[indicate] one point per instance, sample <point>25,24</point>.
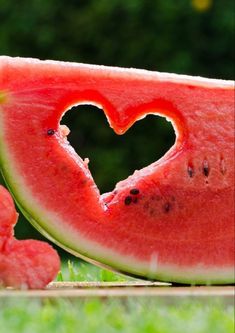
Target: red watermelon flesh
<point>8,216</point>
<point>174,219</point>
<point>26,263</point>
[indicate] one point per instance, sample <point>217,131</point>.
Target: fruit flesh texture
<point>181,226</point>
<point>8,216</point>
<point>26,263</point>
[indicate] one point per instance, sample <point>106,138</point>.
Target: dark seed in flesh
<point>128,200</point>
<point>206,169</point>
<point>190,171</point>
<point>134,191</point>
<point>50,132</point>
<point>167,207</point>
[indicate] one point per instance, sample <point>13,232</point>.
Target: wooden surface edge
<point>119,289</point>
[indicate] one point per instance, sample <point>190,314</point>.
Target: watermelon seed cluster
<point>132,197</point>
<point>166,204</point>
<point>205,168</point>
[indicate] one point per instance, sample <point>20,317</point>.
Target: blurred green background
<point>185,36</point>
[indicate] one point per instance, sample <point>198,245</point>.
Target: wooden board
<point>118,289</point>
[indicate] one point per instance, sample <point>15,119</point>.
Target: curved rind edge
<point>176,275</point>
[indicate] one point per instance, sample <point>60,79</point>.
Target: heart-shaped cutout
<point>113,157</point>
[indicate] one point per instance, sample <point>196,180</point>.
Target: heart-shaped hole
<point>113,157</point>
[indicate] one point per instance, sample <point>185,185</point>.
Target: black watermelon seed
<point>50,131</point>
<point>190,171</point>
<point>206,169</point>
<point>134,191</point>
<point>167,207</point>
<point>128,200</point>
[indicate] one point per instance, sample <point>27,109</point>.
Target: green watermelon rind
<point>97,254</point>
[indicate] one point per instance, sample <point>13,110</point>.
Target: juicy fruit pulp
<point>23,264</point>
<point>172,220</point>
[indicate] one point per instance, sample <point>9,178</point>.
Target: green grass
<point>113,315</point>
<point>79,271</point>
<point>110,315</point>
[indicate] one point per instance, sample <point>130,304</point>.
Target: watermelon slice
<point>23,264</point>
<point>172,220</point>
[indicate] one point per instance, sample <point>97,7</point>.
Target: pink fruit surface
<point>28,264</point>
<point>8,215</point>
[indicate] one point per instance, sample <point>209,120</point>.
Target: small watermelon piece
<point>174,219</point>
<point>23,263</point>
